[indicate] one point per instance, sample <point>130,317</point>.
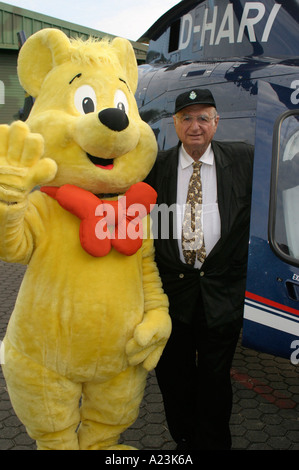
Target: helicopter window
<point>284,213</point>
<point>174,36</point>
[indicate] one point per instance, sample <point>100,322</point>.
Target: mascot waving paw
<point>91,317</point>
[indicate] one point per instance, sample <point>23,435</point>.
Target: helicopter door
<point>271,311</point>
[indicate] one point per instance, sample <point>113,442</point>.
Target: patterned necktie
<point>192,232</point>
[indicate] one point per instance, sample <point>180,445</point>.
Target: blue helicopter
<point>246,53</point>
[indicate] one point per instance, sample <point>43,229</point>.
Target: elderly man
<point>202,264</point>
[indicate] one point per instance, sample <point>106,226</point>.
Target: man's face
<point>195,126</point>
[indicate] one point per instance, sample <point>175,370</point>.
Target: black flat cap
<point>196,96</point>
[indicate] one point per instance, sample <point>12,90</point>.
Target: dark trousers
<point>194,377</point>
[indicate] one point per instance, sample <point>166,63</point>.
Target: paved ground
<point>266,397</point>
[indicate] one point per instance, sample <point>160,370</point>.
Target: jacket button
<point>201,273</point>
<point>181,276</point>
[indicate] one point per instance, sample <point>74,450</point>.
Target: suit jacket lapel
<point>171,197</point>
<point>224,189</point>
<point>171,175</point>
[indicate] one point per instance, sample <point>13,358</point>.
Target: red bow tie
<point>97,216</point>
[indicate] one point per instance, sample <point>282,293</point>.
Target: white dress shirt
<point>210,214</point>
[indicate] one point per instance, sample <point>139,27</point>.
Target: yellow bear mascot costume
<point>91,317</point>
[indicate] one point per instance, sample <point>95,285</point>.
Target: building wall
<point>11,93</point>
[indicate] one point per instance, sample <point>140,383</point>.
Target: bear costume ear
<point>40,53</point>
<point>127,60</point>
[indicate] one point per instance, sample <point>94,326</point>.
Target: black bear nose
<point>114,118</point>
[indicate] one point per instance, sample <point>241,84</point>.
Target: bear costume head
<point>86,110</point>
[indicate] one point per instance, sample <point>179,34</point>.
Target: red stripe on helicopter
<point>271,303</point>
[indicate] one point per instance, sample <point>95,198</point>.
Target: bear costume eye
<point>121,102</point>
<point>85,99</point>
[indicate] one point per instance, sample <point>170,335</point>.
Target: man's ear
<point>127,59</point>
<point>41,53</point>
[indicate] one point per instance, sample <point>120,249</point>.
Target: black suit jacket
<point>220,283</point>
